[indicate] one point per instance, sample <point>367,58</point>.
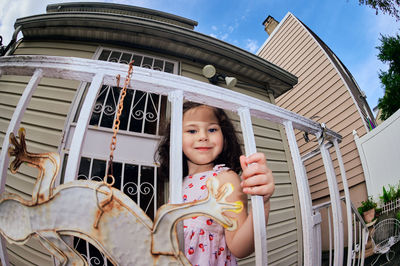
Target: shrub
<point>391,194</point>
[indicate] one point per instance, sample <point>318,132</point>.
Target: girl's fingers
<point>266,191</point>
<point>258,158</point>
<point>257,177</point>
<point>257,180</point>
<point>243,163</point>
<point>255,169</point>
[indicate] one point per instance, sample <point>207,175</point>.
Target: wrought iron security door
<point>140,122</point>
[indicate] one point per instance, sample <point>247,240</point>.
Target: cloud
<point>15,9</point>
<point>224,36</point>
<point>251,45</point>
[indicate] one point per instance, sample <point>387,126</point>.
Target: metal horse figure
<point>99,214</point>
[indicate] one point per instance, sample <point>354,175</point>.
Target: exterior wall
<point>321,94</point>
<point>45,121</point>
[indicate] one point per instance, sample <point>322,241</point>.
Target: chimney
<point>270,24</point>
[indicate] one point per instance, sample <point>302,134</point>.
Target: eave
<point>162,37</point>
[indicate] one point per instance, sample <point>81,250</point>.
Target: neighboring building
<point>326,92</point>
<point>164,42</point>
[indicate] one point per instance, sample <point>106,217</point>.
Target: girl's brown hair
<point>229,156</point>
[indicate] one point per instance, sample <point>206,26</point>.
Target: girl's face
<point>202,138</point>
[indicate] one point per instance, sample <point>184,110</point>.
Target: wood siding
<point>45,120</point>
<point>322,94</point>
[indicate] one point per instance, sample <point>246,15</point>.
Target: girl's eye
<point>191,131</point>
<point>213,130</point>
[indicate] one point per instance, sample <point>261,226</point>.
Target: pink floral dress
<point>204,238</point>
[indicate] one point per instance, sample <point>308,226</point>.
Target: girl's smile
<point>202,138</point>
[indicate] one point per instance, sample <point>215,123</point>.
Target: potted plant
<point>367,209</point>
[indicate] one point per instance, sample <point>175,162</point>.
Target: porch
<point>179,88</point>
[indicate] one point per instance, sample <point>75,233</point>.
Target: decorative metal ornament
<point>101,215</point>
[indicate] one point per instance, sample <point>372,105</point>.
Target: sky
<point>352,31</point>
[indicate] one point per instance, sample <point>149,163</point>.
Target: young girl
<point>210,148</point>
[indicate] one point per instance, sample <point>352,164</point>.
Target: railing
<point>357,236</point>
<point>178,88</point>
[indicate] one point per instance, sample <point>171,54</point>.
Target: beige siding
<point>283,235</point>
<point>44,121</point>
<point>320,93</point>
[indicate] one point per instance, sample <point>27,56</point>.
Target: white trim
<point>304,195</point>
<point>273,33</point>
<point>257,202</point>
<point>158,82</point>
<point>336,205</point>
<point>175,151</point>
<point>71,169</point>
<point>348,200</point>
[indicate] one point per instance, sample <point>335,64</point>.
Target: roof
<point>154,30</point>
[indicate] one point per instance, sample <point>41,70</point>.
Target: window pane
<point>84,168</point>
<point>130,181</point>
<point>158,65</point>
<point>138,60</point>
<point>117,173</point>
<point>110,108</point>
<point>137,112</point>
<point>125,58</point>
<point>169,67</point>
<point>152,113</point>
<point>104,55</point>
<point>98,107</point>
<point>114,57</point>
<point>147,190</point>
<point>124,118</point>
<point>98,170</point>
<point>147,62</point>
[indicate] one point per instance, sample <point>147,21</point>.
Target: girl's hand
<point>257,178</point>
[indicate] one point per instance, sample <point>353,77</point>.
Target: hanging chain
<point>109,170</point>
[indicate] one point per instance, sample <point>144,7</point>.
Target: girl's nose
<point>203,135</point>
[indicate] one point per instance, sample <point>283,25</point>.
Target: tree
<point>391,7</point>
<point>389,52</point>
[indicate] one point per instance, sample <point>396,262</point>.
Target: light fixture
<point>211,74</point>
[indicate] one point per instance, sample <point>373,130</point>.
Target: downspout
<point>12,45</point>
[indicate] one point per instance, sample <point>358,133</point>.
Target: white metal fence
<point>391,206</point>
<point>178,88</point>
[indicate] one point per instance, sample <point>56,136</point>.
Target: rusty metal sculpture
<point>99,214</point>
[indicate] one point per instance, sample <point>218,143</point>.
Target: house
<point>326,92</point>
<point>154,40</point>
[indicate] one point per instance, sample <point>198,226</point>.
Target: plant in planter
<point>367,209</point>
